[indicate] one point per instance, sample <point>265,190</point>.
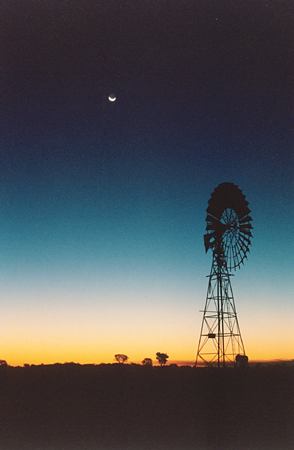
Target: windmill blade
<point>210,216</point>
<point>245,226</point>
<point>246,240</point>
<point>245,233</point>
<point>247,213</point>
<point>245,219</point>
<point>243,247</point>
<point>243,250</point>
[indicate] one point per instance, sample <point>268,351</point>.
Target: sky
<point>103,205</point>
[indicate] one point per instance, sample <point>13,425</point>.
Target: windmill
<point>228,236</point>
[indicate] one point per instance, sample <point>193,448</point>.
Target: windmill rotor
<point>228,229</point>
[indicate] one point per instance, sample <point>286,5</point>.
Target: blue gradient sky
<point>102,206</point>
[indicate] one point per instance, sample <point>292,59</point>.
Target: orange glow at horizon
<point>52,331</point>
<point>52,349</point>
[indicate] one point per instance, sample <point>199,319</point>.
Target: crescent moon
<point>112,98</point>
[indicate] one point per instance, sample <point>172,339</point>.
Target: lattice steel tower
<point>228,235</point>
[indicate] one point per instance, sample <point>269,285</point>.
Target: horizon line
<point>179,363</point>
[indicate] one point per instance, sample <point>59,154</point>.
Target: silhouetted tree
<point>147,362</point>
<point>161,358</point>
<point>121,358</point>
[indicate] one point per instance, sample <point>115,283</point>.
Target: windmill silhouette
<point>228,236</point>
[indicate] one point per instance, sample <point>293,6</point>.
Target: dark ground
<point>111,407</point>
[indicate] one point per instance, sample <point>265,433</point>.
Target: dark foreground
<point>126,408</point>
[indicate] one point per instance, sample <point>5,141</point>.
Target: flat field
<point>107,407</point>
